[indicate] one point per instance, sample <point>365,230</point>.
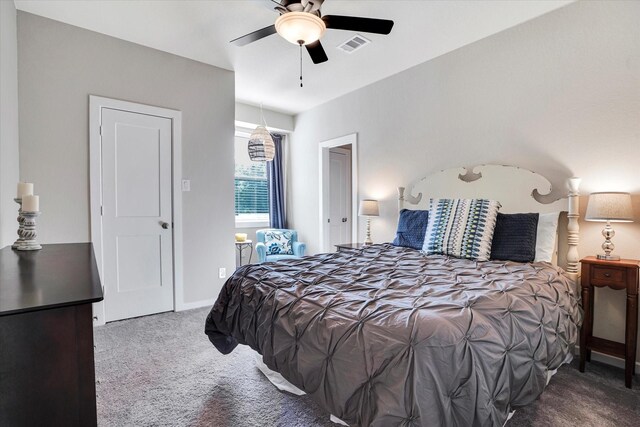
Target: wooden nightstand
<point>621,275</point>
<point>345,247</point>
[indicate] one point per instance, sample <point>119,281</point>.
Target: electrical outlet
<point>186,185</point>
<point>222,272</point>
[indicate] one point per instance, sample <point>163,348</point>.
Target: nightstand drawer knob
<point>607,274</point>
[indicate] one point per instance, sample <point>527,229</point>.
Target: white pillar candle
<point>25,189</point>
<point>30,203</point>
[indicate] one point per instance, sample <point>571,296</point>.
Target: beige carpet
<point>162,371</point>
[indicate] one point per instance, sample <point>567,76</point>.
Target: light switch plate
<point>186,185</point>
<point>222,272</point>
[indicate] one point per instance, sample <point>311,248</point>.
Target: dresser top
<point>349,245</point>
<point>55,276</point>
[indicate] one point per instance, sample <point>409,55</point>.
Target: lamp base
<point>608,257</point>
<point>367,240</point>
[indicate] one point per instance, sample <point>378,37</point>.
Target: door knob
<point>164,225</point>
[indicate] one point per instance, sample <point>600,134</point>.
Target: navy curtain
<point>275,177</point>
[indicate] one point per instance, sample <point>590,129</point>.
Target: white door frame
<point>96,104</point>
<point>323,155</point>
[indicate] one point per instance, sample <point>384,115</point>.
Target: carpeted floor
<point>162,370</point>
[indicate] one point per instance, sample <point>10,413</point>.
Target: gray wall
<point>249,116</point>
<point>559,95</point>
<point>59,67</point>
<point>9,164</point>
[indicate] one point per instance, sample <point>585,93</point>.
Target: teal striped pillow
<point>461,228</point>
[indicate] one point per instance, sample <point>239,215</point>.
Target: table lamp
<point>609,207</point>
<point>368,208</point>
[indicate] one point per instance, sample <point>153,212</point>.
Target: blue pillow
<point>412,227</point>
<point>514,238</point>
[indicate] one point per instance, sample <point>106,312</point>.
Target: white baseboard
<point>605,358</point>
<point>196,304</point>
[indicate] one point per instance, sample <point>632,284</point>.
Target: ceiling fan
<point>301,23</point>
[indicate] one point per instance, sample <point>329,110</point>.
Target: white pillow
<point>546,236</point>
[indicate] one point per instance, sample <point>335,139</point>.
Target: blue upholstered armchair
<point>275,244</point>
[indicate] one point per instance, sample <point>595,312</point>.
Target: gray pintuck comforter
<point>387,336</point>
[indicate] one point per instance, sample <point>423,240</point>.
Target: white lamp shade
<point>300,26</point>
<point>261,147</point>
<point>615,207</point>
<point>369,208</point>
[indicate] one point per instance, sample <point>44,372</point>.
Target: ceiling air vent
<point>354,43</point>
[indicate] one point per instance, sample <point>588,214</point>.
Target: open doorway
<point>338,192</point>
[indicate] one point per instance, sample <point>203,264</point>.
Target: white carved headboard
<point>517,189</point>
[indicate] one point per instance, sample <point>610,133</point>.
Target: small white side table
<point>241,246</point>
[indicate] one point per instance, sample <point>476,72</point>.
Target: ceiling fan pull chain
<point>300,43</point>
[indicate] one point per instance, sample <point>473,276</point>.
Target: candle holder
<point>28,232</point>
<point>17,243</point>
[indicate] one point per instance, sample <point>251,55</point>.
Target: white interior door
<point>136,214</point>
<point>339,196</point>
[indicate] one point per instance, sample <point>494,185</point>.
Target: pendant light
<point>261,147</point>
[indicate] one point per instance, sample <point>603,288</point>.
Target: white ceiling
<point>267,71</point>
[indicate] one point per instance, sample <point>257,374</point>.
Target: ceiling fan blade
<point>354,23</point>
<point>256,35</point>
<point>316,52</point>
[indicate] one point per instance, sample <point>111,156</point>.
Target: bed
<point>388,336</point>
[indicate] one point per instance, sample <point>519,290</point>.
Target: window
<point>251,188</point>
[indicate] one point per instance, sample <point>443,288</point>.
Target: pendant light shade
<point>300,27</point>
<point>261,147</point>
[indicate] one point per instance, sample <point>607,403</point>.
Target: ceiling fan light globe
<point>300,26</point>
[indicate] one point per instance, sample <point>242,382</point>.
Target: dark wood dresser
<point>349,247</point>
<point>47,374</point>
